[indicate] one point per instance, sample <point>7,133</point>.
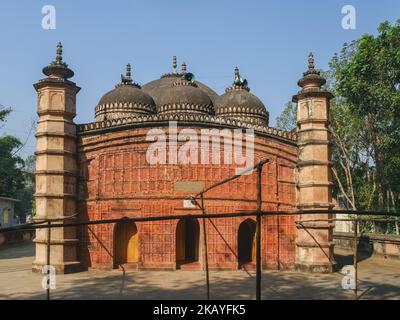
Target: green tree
<point>26,204</point>
<point>4,112</point>
<point>11,175</point>
<point>368,79</point>
<point>287,119</point>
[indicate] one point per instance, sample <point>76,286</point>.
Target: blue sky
<point>268,40</point>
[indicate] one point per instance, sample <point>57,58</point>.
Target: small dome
<point>184,95</point>
<point>126,100</point>
<point>238,103</point>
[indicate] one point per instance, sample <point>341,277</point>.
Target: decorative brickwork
<point>116,181</point>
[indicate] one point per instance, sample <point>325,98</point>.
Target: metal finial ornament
<point>59,53</point>
<point>127,79</point>
<point>239,81</point>
<point>312,77</point>
<point>183,68</point>
<point>58,68</point>
<point>311,65</point>
<point>236,72</point>
<point>174,65</point>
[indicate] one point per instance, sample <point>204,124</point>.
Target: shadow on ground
<point>379,279</point>
<point>17,250</point>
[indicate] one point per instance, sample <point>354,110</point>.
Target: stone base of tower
<point>62,256</point>
<point>62,268</point>
<point>315,258</point>
<point>324,267</point>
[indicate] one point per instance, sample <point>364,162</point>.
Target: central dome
<point>158,88</point>
<point>177,93</point>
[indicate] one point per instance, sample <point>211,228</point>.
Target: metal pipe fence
<point>258,214</point>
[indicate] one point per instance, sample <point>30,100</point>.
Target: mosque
<point>101,170</point>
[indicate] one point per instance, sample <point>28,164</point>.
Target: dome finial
<point>236,72</point>
<point>239,82</point>
<point>127,79</point>
<point>184,68</point>
<point>174,65</point>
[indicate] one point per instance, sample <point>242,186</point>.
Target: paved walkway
<point>379,279</point>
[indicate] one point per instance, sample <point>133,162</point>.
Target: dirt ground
<point>379,278</point>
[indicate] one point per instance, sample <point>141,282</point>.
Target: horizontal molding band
<point>67,242</point>
<point>56,172</point>
<point>307,142</point>
<point>63,113</point>
<point>55,152</point>
<point>40,134</point>
<point>315,120</point>
<point>323,129</point>
<point>313,244</point>
<point>55,195</point>
<point>305,163</point>
<point>315,184</point>
<point>315,225</point>
<point>315,205</point>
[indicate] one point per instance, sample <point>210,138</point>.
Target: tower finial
<point>174,65</point>
<point>311,65</point>
<point>58,68</point>
<point>59,53</point>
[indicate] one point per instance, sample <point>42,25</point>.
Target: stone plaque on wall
<point>188,186</point>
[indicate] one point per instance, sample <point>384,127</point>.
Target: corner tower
<point>56,165</point>
<point>314,181</point>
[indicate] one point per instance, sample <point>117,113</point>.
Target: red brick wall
<point>116,181</point>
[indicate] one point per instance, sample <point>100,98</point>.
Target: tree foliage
<point>11,175</point>
<point>365,120</point>
<point>367,79</point>
<point>287,119</point>
<point>17,179</point>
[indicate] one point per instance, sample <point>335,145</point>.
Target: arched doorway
<point>187,241</point>
<point>246,242</point>
<point>125,243</point>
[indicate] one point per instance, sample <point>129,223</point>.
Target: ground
<point>379,279</point>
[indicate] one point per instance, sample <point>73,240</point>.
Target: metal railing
<point>258,213</point>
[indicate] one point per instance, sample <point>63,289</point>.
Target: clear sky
<point>268,40</point>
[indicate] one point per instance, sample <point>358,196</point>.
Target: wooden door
<point>126,243</point>
<point>180,241</point>
<point>132,247</point>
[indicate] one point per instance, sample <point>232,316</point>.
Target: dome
<point>238,103</point>
<point>183,95</point>
<point>126,100</point>
<point>157,88</point>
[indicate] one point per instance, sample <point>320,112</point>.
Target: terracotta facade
<point>101,171</point>
<point>116,181</point>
